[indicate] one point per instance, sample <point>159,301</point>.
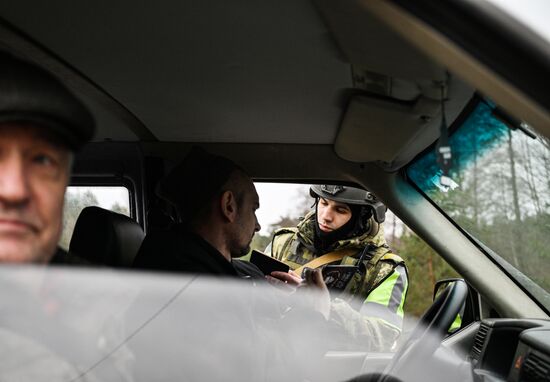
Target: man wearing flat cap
<point>41,126</point>
<point>217,204</point>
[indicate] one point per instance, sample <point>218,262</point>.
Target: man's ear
<point>229,206</point>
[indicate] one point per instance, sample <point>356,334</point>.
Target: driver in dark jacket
<point>217,204</point>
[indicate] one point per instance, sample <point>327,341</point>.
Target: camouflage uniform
<point>372,309</point>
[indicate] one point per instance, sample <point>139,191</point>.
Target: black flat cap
<point>195,181</point>
<point>30,94</point>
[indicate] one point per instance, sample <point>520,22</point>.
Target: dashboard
<point>511,350</point>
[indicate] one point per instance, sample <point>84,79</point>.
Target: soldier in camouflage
<point>345,228</point>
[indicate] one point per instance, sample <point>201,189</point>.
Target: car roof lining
<point>366,40</point>
<point>277,80</point>
<point>113,120</point>
<point>245,99</point>
<point>283,74</point>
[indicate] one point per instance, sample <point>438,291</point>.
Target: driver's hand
<point>286,282</point>
<point>289,277</point>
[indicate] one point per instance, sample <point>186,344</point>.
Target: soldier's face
<point>247,222</point>
<point>332,215</point>
<point>34,173</point>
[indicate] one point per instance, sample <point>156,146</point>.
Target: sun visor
<point>378,130</point>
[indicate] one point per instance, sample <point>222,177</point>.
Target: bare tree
<point>530,177</point>
<point>513,179</point>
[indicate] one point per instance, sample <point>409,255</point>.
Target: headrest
<point>104,237</point>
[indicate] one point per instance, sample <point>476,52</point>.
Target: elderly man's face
<point>34,173</point>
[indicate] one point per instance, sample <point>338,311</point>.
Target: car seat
<point>104,237</point>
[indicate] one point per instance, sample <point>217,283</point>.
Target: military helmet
<point>350,195</point>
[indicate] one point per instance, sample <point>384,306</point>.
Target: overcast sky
<point>533,13</point>
<point>276,200</point>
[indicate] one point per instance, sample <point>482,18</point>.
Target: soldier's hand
<point>320,297</point>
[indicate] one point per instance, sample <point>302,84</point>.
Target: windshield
<point>498,191</point>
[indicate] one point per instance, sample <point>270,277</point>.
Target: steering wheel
<point>430,330</point>
<point>426,337</point>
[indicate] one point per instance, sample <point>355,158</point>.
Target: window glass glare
<point>114,198</point>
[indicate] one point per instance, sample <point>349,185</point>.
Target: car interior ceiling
<point>405,78</point>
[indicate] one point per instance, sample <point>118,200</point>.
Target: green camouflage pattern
<point>294,246</point>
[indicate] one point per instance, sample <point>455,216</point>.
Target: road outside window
<point>114,198</point>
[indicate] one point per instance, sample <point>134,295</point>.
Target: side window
<point>114,198</point>
<point>285,204</point>
<point>281,205</point>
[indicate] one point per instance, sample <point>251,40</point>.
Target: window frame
<point>110,181</point>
